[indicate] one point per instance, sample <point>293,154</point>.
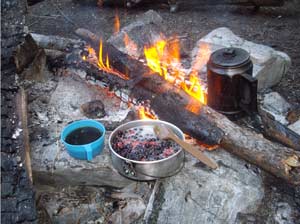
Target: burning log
<point>246,144</point>
<point>125,64</point>
<point>210,127</point>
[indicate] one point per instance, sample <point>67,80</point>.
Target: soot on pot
<point>142,145</point>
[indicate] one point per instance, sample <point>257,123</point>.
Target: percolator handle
<point>248,93</point>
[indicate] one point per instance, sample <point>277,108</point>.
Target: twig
<point>46,17</point>
<point>58,148</point>
<point>24,119</point>
<point>149,207</point>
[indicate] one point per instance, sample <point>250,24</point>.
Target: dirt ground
<point>275,27</point>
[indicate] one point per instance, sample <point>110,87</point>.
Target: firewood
<point>25,53</point>
<point>258,3</point>
<point>279,132</point>
<point>134,69</point>
<point>244,143</point>
<point>22,111</point>
<point>53,42</point>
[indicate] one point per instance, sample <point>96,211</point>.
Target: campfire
<point>209,126</point>
<point>163,58</point>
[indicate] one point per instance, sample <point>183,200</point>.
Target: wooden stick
<point>24,119</point>
<point>149,207</point>
<point>53,42</point>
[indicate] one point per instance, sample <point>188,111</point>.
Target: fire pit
<point>114,82</point>
<point>137,154</point>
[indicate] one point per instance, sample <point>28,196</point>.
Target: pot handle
<point>248,93</point>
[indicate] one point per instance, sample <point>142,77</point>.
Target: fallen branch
<point>24,120</point>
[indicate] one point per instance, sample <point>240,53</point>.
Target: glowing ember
<point>193,107</point>
<point>116,23</point>
<point>146,114</point>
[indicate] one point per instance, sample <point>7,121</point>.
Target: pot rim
<point>150,122</point>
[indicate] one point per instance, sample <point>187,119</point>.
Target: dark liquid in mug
<point>82,136</point>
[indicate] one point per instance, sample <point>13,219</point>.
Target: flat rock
<point>51,163</point>
<point>295,127</point>
<point>198,195</point>
<point>269,65</point>
<point>145,31</point>
<point>277,106</point>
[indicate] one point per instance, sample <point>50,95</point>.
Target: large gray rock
<point>145,31</point>
<point>269,65</point>
<point>51,163</point>
<point>277,106</point>
<point>198,195</point>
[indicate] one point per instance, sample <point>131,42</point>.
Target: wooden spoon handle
<point>195,152</point>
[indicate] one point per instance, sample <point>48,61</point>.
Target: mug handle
<point>89,152</point>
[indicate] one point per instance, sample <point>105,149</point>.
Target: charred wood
<point>25,53</point>
<point>192,3</point>
<point>132,68</point>
<point>32,2</point>
<point>235,2</point>
<point>279,132</point>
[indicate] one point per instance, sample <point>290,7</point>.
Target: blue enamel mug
<point>85,151</point>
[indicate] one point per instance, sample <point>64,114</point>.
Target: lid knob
<point>229,52</point>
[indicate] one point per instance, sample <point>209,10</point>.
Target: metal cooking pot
<point>231,86</point>
<point>147,170</point>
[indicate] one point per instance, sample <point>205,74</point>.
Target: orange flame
<point>105,65</point>
<point>164,59</point>
<point>131,47</point>
<point>102,61</point>
<point>116,23</point>
<point>145,114</point>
